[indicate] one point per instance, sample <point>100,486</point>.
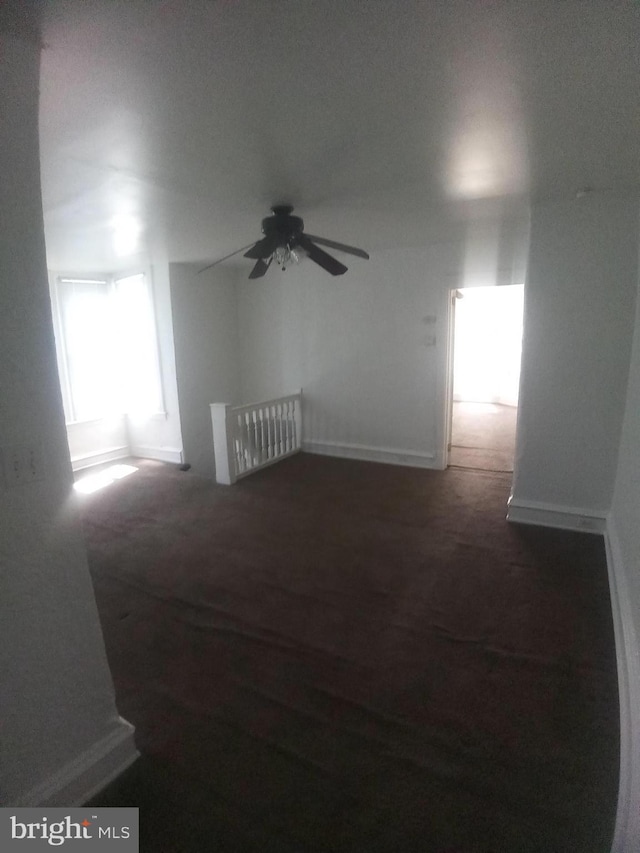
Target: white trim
<point>163,454</point>
<point>83,280</point>
<point>87,460</point>
<point>369,453</point>
<point>61,350</point>
<point>627,831</point>
<point>263,404</point>
<point>88,773</point>
<point>445,382</point>
<point>555,515</point>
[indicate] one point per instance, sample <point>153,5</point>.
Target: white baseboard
<point>162,454</point>
<point>627,832</point>
<point>367,453</point>
<point>108,455</point>
<point>86,775</point>
<point>555,515</point>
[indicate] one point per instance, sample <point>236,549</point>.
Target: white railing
<point>247,438</point>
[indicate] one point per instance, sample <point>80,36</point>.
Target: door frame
<point>446,380</point>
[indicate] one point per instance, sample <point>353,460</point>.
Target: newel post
<point>223,440</point>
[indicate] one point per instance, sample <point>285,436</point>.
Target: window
<point>141,386</point>
<point>107,347</point>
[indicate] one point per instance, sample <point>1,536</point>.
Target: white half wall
<point>578,324</point>
<point>61,732</point>
<point>205,334</point>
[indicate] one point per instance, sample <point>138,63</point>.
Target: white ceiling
<point>182,122</point>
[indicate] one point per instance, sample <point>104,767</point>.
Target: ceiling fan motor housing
<point>282,224</point>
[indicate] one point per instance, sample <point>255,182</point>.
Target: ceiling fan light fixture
<point>284,241</point>
<point>284,256</point>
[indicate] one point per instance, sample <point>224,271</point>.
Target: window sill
<point>154,416</point>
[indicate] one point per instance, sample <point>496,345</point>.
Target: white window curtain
<point>109,350</point>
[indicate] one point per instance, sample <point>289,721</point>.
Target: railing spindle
<point>248,437</point>
<point>272,450</point>
<point>246,434</point>
<point>294,425</point>
<point>263,436</point>
<point>290,424</point>
<point>285,443</point>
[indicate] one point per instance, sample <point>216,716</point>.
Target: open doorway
<point>487,336</point>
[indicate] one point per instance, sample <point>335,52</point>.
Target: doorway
<point>487,344</point>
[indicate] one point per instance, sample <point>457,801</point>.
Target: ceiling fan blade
<point>260,268</point>
<point>220,260</point>
<point>331,265</point>
<point>263,248</point>
<point>351,250</point>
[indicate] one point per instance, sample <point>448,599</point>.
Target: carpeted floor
<point>483,435</point>
<point>343,656</point>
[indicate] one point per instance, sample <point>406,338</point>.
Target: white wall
<point>579,299</point>
<point>205,334</point>
<point>57,695</point>
<point>362,346</point>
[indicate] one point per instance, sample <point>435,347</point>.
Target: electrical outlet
<point>22,464</point>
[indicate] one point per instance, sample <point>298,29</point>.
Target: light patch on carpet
<point>95,482</point>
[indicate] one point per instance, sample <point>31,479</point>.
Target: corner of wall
<point>627,831</point>
<point>88,773</point>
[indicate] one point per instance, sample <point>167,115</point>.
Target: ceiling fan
<point>285,241</point>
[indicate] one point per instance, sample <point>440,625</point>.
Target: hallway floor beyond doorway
<point>483,436</point>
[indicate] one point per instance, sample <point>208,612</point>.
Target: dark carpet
<point>343,656</point>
